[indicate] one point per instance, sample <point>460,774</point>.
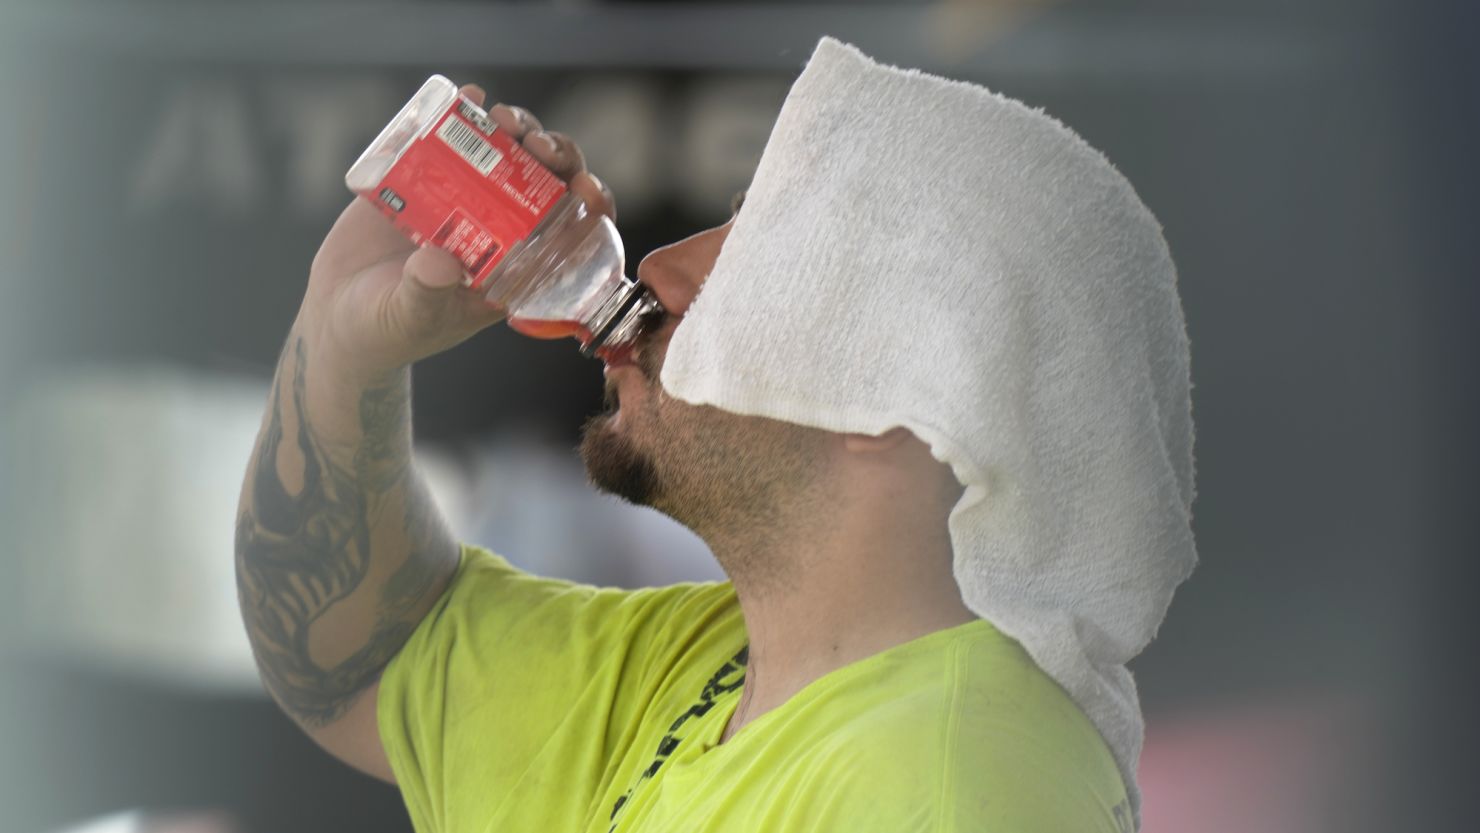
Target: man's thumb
<point>427,291</point>
<point>433,269</point>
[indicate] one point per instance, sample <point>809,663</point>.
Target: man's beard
<point>614,463</point>
<point>725,476</point>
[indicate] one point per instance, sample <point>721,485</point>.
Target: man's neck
<point>819,599</point>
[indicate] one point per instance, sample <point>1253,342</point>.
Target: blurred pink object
<point>1286,767</point>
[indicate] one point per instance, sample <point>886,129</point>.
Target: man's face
<point>701,465</point>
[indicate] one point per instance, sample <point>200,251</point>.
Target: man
<point>840,679</point>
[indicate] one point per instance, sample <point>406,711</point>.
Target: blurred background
<point>170,168</point>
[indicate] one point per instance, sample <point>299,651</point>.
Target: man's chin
<point>614,464</point>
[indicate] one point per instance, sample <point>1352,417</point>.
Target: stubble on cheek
<point>610,401</point>
<point>650,362</point>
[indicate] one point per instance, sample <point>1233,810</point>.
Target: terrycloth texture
<point>921,252</point>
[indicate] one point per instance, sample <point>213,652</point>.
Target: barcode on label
<point>469,145</point>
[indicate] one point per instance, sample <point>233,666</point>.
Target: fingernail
<point>599,184</point>
<point>548,141</point>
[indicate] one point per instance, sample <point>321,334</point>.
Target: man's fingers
<point>516,121</point>
<point>553,149</point>
<point>594,193</point>
<point>557,152</point>
<point>473,92</point>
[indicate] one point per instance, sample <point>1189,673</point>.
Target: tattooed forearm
<point>384,454</point>
<point>303,552</point>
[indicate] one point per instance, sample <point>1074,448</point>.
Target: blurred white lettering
<point>283,145</point>
<point>327,125</point>
<point>725,129</point>
<point>203,148</point>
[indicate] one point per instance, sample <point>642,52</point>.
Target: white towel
<point>921,252</point>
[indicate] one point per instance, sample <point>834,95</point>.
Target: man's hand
<point>376,303</point>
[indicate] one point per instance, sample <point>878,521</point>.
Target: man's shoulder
<point>904,707</point>
<point>968,669</point>
<point>976,728</point>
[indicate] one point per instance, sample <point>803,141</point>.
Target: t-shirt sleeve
<point>516,684</point>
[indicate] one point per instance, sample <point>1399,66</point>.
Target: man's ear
<point>871,444</point>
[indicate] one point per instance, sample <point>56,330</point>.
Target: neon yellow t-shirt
<point>524,703</point>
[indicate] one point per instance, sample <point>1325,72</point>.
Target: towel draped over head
<point>921,252</point>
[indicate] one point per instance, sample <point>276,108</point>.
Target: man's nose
<point>676,272</point>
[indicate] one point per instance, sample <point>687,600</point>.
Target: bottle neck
<point>619,320</point>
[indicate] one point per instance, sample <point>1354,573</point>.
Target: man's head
<point>722,473</point>
<point>994,285</point>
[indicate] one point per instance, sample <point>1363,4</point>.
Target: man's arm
<point>340,550</point>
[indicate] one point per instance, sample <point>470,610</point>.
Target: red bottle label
<point>467,187</point>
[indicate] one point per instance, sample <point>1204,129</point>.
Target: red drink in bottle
<point>613,353</point>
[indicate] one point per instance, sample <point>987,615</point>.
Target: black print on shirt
<point>729,677</point>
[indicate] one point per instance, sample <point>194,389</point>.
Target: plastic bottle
<point>442,171</point>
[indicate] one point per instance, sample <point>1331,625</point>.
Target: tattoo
<point>298,554</point>
<point>380,459</point>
